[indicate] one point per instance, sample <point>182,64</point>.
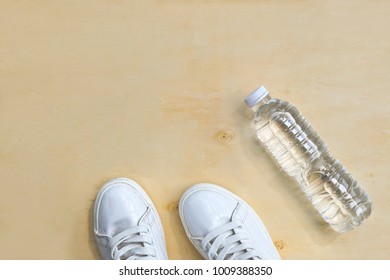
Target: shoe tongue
<point>142,220</point>
<point>128,254</point>
<point>205,223</point>
<point>234,216</point>
<point>228,256</point>
<point>121,225</point>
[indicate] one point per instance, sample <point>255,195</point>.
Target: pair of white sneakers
<point>219,224</point>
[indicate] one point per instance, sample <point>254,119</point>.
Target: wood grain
<point>153,91</point>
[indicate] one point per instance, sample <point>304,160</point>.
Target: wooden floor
<point>154,90</point>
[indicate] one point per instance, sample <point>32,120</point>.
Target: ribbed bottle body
<point>303,155</point>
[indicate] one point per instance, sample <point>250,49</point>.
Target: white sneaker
<point>127,225</point>
<point>222,226</point>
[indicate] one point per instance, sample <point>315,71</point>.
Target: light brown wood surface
<point>154,90</point>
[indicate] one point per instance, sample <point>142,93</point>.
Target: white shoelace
<point>229,242</point>
<point>133,244</point>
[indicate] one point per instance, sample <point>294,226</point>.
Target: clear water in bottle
<point>301,153</point>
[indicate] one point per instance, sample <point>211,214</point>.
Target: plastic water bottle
<point>301,153</point>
